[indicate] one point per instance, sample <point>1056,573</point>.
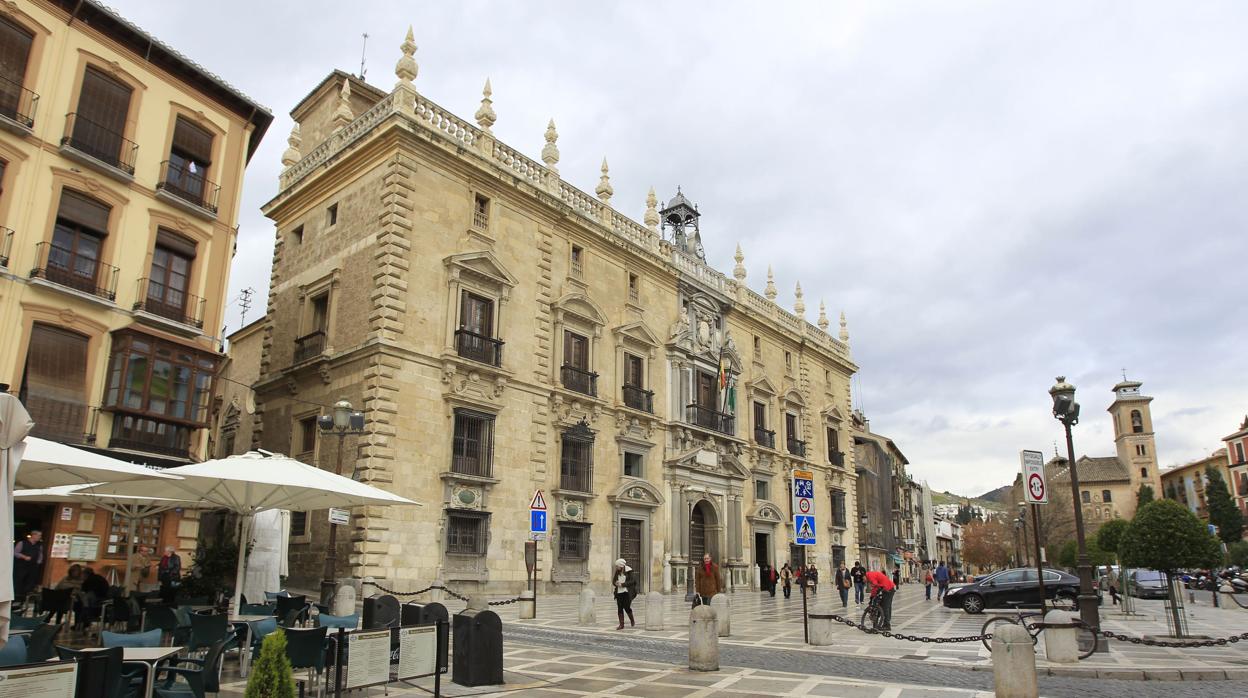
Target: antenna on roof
<point>1055,453</point>
<point>362,48</point>
<point>1124,375</point>
<point>244,301</point>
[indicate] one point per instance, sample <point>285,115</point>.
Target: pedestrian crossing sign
<point>805,526</point>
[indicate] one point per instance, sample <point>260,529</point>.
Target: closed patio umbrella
<point>15,424</point>
<point>258,481</point>
<point>51,464</point>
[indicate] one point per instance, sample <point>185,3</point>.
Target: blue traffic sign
<point>803,488</point>
<point>537,521</point>
<point>805,526</point>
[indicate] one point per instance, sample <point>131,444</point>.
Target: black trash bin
<point>427,614</point>
<point>381,611</point>
<point>478,656</point>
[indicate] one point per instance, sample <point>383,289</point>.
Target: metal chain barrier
<point>1217,642</point>
<point>912,638</point>
<point>439,587</point>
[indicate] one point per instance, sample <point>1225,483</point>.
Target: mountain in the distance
<point>1000,495</point>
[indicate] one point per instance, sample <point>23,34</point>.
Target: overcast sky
<point>993,193</point>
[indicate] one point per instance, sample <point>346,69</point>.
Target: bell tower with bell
<point>681,217</point>
<point>1134,438</point>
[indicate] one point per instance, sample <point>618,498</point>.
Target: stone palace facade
<point>504,332</point>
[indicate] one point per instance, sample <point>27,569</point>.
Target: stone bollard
<point>654,611</point>
<point>437,595</point>
<point>822,629</point>
<point>703,640</point>
<point>528,605</point>
<point>1014,662</point>
<point>344,599</point>
<point>478,603</point>
<point>1060,644</point>
<point>586,615</point>
<point>722,605</point>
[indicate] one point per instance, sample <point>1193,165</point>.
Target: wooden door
<point>630,548</point>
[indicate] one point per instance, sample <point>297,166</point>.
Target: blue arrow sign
<point>805,527</point>
<point>537,521</point>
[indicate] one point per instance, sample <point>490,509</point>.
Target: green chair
<point>258,609</point>
<point>40,644</point>
<point>150,638</point>
<point>305,648</point>
<point>14,651</point>
<point>166,619</point>
<point>101,673</point>
<point>196,682</point>
<point>350,622</point>
<point>259,629</point>
<point>207,630</point>
<point>26,623</point>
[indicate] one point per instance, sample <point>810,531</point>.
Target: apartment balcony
<point>764,437</point>
<point>708,418</point>
<point>64,421</point>
<point>67,268</point>
<point>476,347</point>
<point>6,245</point>
<point>481,219</point>
<point>17,107</point>
<point>97,146</point>
<point>170,304</point>
<point>796,447</point>
<point>187,190</point>
<point>579,380</point>
<point>837,458</point>
<point>639,398</point>
<point>309,346</point>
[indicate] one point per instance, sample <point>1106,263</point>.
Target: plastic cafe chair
<point>207,629</point>
<point>14,651</point>
<point>257,609</point>
<point>101,673</point>
<point>41,643</point>
<point>305,648</point>
<point>259,629</point>
<point>26,623</point>
<point>164,618</point>
<point>57,601</point>
<point>350,622</point>
<point>150,638</point>
<point>286,603</point>
<point>272,596</point>
<point>196,681</point>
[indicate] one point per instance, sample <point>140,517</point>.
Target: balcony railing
<point>471,345</point>
<point>576,476</point>
<point>796,446</point>
<point>764,437</point>
<point>66,421</point>
<point>477,466</point>
<point>6,245</point>
<point>836,458</point>
<point>17,103</point>
<point>150,436</point>
<point>172,304</point>
<point>639,398</point>
<point>310,346</point>
<point>579,379</point>
<point>481,219</point>
<point>68,268</point>
<point>188,186</point>
<point>708,418</point>
<point>99,143</point>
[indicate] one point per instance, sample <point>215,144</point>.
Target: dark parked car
<point>1148,584</point>
<point>1012,588</point>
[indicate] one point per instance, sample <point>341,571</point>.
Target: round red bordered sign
<point>804,505</point>
<point>1035,484</point>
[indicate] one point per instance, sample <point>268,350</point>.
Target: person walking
<point>897,576</point>
<point>843,583</point>
<point>859,574</point>
<point>140,567</point>
<point>942,580</point>
<point>883,587</point>
<point>927,581</point>
<point>624,584</point>
<point>786,579</point>
<point>169,574</point>
<point>771,579</point>
<point>812,577</point>
<point>27,565</point>
<point>706,579</point>
<point>1113,584</point>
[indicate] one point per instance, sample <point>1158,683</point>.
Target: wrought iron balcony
<point>6,245</point>
<point>99,143</point>
<point>481,219</point>
<point>764,437</point>
<point>188,186</point>
<point>66,421</point>
<point>796,446</point>
<point>579,379</point>
<point>17,104</point>
<point>471,345</point>
<point>708,418</point>
<point>639,398</point>
<point>576,475</point>
<point>69,268</point>
<point>309,346</point>
<point>836,458</point>
<point>136,433</point>
<point>158,299</point>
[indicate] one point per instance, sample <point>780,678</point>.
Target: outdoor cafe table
<point>149,657</point>
<point>244,651</point>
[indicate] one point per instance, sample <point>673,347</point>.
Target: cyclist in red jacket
<point>882,585</point>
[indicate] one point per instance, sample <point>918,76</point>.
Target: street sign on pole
<point>1035,489</point>
<point>537,516</point>
<point>339,517</point>
<point>804,507</point>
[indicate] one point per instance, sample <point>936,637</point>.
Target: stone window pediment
<point>482,268</point>
<point>832,413</point>
<point>636,492</point>
<point>725,464</point>
<point>763,386</point>
<point>792,397</point>
<point>578,307</point>
<point>638,335</point>
<point>765,512</point>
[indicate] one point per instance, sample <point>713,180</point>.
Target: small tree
<point>1237,554</point>
<point>1144,496</point>
<point>1165,536</point>
<point>1222,510</point>
<point>987,544</point>
<point>1109,536</point>
<point>1068,555</point>
<point>271,675</point>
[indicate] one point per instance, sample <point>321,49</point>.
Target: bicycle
<point>873,616</point>
<point>1085,636</point>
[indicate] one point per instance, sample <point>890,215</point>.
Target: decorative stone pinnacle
<point>550,152</point>
<point>343,114</point>
<point>292,155</point>
<point>406,68</point>
<point>844,329</point>
<point>485,116</point>
<point>823,317</point>
<point>770,292</point>
<point>652,211</point>
<point>604,190</point>
<point>799,305</point>
<point>738,272</point>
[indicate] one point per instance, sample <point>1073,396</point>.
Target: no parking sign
<point>1035,490</point>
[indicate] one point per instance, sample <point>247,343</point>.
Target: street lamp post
<point>344,422</point>
<point>1066,411</point>
<point>1020,524</point>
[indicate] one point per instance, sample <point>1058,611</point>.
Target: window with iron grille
<point>298,524</point>
<point>466,532</point>
<point>472,446</point>
<point>576,459</point>
<point>573,541</point>
<point>838,508</point>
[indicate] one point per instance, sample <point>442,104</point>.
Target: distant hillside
<point>950,498</point>
<point>1001,495</point>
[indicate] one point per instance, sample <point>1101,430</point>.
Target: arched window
<point>1137,422</point>
<point>1143,472</point>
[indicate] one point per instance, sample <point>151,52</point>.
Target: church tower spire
<point>1134,439</point>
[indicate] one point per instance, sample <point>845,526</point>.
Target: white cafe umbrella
<point>51,464</point>
<point>257,481</point>
<point>15,424</point>
<point>129,508</point>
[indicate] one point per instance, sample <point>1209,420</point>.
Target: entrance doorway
<point>701,525</point>
<point>797,556</point>
<point>630,548</point>
<point>762,549</point>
